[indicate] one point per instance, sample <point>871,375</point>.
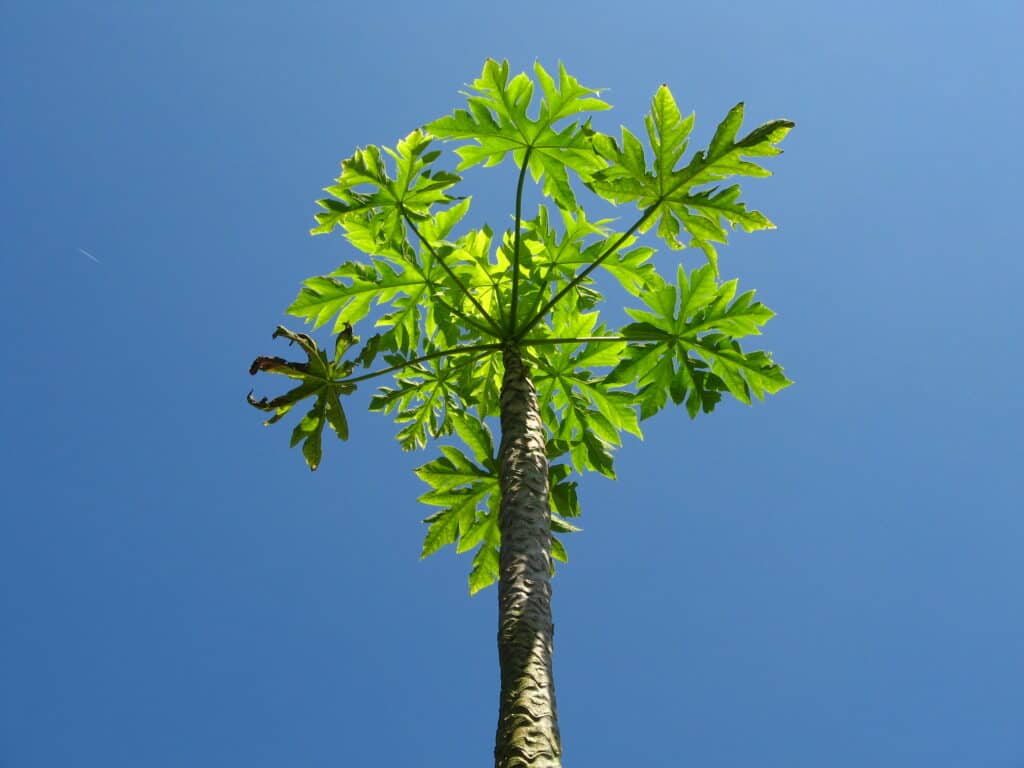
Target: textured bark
<point>527,720</point>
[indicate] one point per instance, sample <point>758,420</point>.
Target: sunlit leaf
<point>497,121</point>
<point>671,193</point>
<point>686,346</point>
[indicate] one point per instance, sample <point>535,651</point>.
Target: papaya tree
<point>476,328</point>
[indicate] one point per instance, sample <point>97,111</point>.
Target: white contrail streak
<point>86,253</point>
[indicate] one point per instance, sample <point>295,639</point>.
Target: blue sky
<point>832,577</point>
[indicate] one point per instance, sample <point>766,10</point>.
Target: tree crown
<point>446,304</point>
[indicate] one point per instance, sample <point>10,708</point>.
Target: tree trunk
<point>528,719</point>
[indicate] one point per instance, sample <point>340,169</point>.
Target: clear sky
<point>830,578</point>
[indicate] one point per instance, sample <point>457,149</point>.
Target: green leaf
<point>580,408</point>
<point>312,432</point>
<point>347,295</point>
<point>561,525</point>
<point>558,550</point>
<point>425,399</point>
<point>453,470</point>
<point>667,131</point>
<point>443,530</point>
<point>485,569</point>
<point>483,272</point>
<point>482,382</point>
<point>669,192</point>
<point>484,528</point>
<point>366,199</point>
<point>407,285</point>
<point>553,259</point>
<point>497,121</point>
<point>697,317</point>
<point>476,435</point>
<point>743,373</point>
<point>564,499</point>
<point>343,342</point>
<point>470,497</point>
<point>374,346</point>
<point>441,223</point>
<point>419,287</point>
<point>321,378</point>
<point>335,415</point>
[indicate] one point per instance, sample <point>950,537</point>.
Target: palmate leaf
<point>483,270</point>
<point>369,201</point>
<point>551,259</point>
<point>469,496</point>
<point>482,383</point>
<point>349,293</point>
<point>319,378</point>
<point>423,400</point>
<point>698,317</point>
<point>412,285</point>
<point>671,194</point>
<point>498,122</point>
<point>581,412</point>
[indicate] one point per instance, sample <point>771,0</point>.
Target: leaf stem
<point>466,318</point>
<point>578,340</point>
<point>497,328</point>
<point>421,359</point>
<point>594,265</point>
<point>514,304</point>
